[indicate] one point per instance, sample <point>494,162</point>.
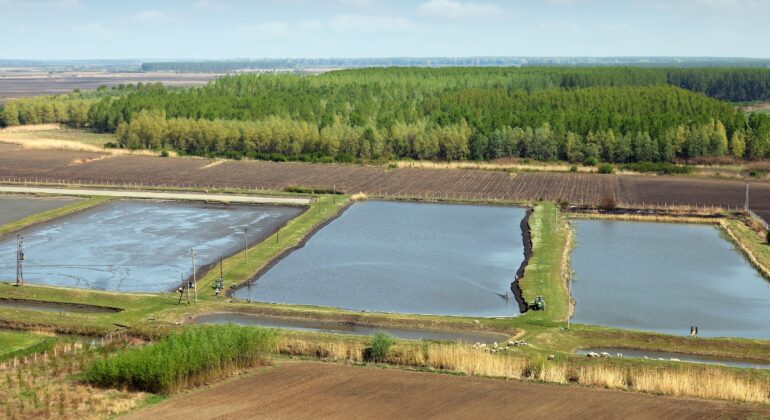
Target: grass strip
<point>545,273</point>
<point>239,268</point>
<point>51,214</point>
<point>16,344</point>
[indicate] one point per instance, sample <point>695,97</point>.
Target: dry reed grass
<point>705,382</point>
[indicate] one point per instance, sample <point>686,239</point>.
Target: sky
<point>218,29</point>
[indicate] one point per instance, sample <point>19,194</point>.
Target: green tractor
<point>538,304</point>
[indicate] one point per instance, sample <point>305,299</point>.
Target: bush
<point>381,344</point>
<point>591,161</point>
<point>164,153</point>
<point>194,356</point>
<point>573,168</point>
<point>606,168</point>
<point>608,204</point>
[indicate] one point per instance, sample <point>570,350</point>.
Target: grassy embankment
<point>14,344</point>
<point>545,274</point>
<point>51,214</point>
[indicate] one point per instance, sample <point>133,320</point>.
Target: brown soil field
<point>419,183</point>
<point>318,390</point>
<point>36,84</point>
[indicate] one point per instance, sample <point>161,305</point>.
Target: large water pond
<point>405,257</point>
<point>666,278</point>
<point>18,207</point>
<point>137,245</point>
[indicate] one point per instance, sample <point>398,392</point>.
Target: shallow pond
<point>666,278</point>
<point>347,328</point>
<point>405,257</point>
<point>137,245</point>
<point>13,207</point>
<point>53,306</point>
<point>664,355</point>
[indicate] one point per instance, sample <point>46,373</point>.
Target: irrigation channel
<point>666,278</point>
<point>13,208</point>
<point>35,305</point>
<point>138,245</point>
<point>348,328</point>
<point>663,355</point>
<point>437,259</point>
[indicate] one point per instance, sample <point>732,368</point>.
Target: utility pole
<point>746,204</point>
<point>569,299</point>
<point>194,283</point>
<point>19,260</point>
<point>246,245</point>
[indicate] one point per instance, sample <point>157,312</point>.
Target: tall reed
<point>188,358</point>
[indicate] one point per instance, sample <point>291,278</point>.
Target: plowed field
<point>321,391</point>
<point>85,167</point>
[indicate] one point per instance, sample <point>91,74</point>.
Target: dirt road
<point>318,390</point>
<point>227,198</point>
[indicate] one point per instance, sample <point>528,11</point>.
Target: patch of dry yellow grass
<point>705,382</point>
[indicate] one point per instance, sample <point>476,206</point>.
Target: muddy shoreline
<point>347,327</point>
<point>285,253</point>
<point>526,235</point>
<point>76,307</point>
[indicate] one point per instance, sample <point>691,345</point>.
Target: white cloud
<point>208,5</point>
<point>149,16</point>
<point>453,9</point>
<point>276,28</point>
<point>370,23</point>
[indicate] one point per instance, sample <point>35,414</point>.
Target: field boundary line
<point>225,198</point>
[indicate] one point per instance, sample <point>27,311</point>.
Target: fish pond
<point>438,259</point>
<point>137,246</point>
<point>666,278</point>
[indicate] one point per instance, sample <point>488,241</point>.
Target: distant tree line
<point>229,66</point>
<point>614,114</point>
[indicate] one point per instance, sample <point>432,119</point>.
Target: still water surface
<point>136,245</point>
<point>666,278</point>
<point>405,257</point>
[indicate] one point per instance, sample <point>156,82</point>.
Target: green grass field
<point>14,343</point>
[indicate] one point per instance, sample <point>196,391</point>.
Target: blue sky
<point>64,29</point>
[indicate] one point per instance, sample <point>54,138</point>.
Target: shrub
<point>608,204</point>
<point>590,161</point>
<point>573,168</point>
<point>164,153</point>
<point>381,344</point>
<point>606,168</point>
<point>193,356</point>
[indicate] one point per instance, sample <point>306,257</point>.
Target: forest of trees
<point>614,114</point>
